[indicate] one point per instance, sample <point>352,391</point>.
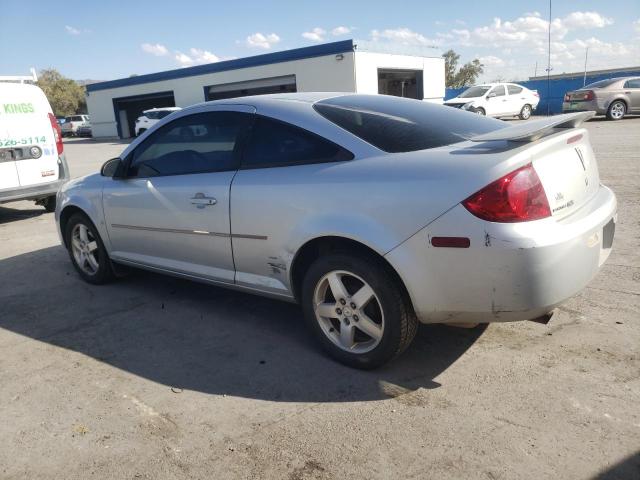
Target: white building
<point>334,67</point>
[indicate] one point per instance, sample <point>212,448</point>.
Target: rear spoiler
<point>532,130</point>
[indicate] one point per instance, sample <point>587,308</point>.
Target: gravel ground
<point>154,377</point>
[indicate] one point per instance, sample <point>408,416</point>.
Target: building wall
<point>322,74</point>
<point>368,63</point>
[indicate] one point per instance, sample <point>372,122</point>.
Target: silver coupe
<point>373,212</point>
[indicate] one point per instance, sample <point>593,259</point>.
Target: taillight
<point>567,97</point>
<point>517,197</point>
<point>588,95</point>
<point>57,134</point>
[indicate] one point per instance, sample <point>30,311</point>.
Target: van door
<point>27,136</point>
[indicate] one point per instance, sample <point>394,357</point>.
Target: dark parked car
<point>613,97</point>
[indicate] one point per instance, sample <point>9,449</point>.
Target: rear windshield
<point>601,83</point>
<point>157,114</point>
<point>396,124</point>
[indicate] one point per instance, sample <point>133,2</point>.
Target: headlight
<point>467,106</point>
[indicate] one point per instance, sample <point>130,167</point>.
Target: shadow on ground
<point>203,338</point>
<point>8,215</point>
<point>627,469</point>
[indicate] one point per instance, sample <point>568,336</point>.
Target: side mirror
<point>113,168</point>
<point>491,95</point>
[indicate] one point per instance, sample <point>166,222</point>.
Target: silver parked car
<point>614,97</point>
<point>374,212</point>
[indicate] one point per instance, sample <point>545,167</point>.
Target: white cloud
<point>315,35</point>
<point>491,61</point>
<point>71,30</point>
<point>461,22</point>
<point>183,59</point>
<point>577,20</point>
<point>196,56</point>
<point>156,49</point>
<point>402,35</point>
<point>636,25</point>
<point>338,31</point>
<point>259,40</point>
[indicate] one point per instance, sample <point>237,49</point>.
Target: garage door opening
<point>263,86</point>
<point>401,83</point>
<point>128,109</point>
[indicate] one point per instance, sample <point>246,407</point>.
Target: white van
<point>32,163</point>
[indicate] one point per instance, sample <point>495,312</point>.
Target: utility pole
<point>549,65</point>
<point>535,70</point>
<point>586,54</point>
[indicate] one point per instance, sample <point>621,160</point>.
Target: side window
<point>276,144</point>
<point>635,83</point>
<point>513,90</point>
<point>499,91</point>
<point>202,142</point>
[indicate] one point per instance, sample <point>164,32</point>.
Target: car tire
<point>378,328</point>
<point>525,113</point>
<point>616,110</point>
<point>49,203</point>
<point>86,250</point>
<point>480,111</point>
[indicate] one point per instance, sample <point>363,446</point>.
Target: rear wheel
<point>525,113</point>
<point>356,310</point>
<point>86,250</point>
<point>616,110</point>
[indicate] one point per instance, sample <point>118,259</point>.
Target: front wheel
<point>616,110</point>
<point>479,111</point>
<point>357,310</point>
<point>49,203</point>
<point>525,113</point>
<point>86,250</point>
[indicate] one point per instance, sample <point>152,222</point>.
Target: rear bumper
<point>596,105</point>
<point>511,271</point>
<point>35,192</point>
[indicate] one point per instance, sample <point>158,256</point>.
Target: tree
<point>65,95</point>
<point>466,75</point>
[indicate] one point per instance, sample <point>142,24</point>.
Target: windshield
<point>474,92</point>
<point>397,124</point>
<point>601,83</point>
<point>157,114</point>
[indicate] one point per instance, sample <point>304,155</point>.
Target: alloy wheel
<point>617,110</point>
<point>85,249</point>
<point>348,311</point>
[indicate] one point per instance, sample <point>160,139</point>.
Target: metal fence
<point>557,88</point>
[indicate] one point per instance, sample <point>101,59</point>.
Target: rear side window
<point>513,90</point>
<point>635,83</point>
<point>601,83</point>
<point>276,144</point>
<point>395,124</point>
<point>498,91</point>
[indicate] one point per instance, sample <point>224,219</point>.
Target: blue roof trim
<point>255,61</point>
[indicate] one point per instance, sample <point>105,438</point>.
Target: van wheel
<point>86,250</point>
<point>525,113</point>
<point>49,203</point>
<point>356,310</point>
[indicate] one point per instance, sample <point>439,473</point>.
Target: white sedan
<point>497,100</point>
<point>152,116</point>
<point>373,212</point>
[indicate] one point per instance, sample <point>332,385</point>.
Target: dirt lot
<point>153,377</point>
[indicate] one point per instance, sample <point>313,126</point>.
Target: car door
<point>497,102</point>
<point>171,211</point>
<point>632,90</point>
<point>516,99</point>
<point>282,165</point>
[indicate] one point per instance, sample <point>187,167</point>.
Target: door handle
<point>201,200</point>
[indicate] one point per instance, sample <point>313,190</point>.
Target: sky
<point>104,40</point>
